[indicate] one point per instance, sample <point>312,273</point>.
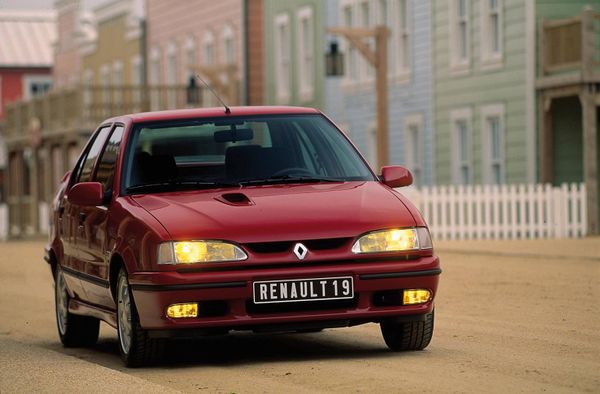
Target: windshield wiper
<point>288,179</point>
<point>169,184</point>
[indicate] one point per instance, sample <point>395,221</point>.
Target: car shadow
<point>241,348</point>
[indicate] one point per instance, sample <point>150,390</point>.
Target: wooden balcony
<point>569,51</point>
<point>83,108</point>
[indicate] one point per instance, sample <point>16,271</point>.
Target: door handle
<point>82,216</point>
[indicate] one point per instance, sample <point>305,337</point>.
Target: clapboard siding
<point>355,108</point>
<point>505,85</point>
<point>274,8</point>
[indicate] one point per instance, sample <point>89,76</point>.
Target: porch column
<point>590,155</point>
<point>546,143</point>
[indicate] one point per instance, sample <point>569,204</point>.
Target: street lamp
<point>357,36</point>
<point>334,61</point>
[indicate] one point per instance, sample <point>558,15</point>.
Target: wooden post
<point>590,156</point>
<point>378,59</point>
<point>381,63</point>
<point>546,140</point>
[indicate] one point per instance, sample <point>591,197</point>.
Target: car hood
<point>278,212</point>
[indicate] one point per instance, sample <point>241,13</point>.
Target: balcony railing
<point>86,106</point>
<point>570,44</point>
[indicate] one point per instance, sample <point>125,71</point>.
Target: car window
<point>105,172</point>
<point>240,149</point>
<point>87,163</point>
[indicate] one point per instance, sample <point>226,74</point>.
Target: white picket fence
<point>3,222</point>
<point>502,211</point>
<point>482,212</point>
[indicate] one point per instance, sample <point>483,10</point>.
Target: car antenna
<point>227,110</point>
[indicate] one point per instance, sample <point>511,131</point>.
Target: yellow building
<point>45,134</point>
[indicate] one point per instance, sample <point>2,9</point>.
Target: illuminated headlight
<point>393,240</point>
<point>189,252</point>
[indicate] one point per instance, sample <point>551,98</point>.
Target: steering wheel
<point>293,170</point>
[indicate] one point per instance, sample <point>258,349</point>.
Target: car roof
<point>212,112</point>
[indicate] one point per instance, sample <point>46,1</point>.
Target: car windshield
<point>234,151</point>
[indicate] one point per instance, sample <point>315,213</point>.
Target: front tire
<point>408,335</point>
<point>73,330</point>
<point>135,345</point>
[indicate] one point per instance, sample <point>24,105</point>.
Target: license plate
<point>296,290</point>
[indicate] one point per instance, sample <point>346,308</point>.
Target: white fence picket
<point>3,222</point>
<point>503,211</point>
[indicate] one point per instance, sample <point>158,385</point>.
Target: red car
<point>192,222</point>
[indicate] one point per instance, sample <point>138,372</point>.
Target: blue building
<point>350,99</point>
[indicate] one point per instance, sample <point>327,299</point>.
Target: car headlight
<point>189,252</point>
<point>393,240</point>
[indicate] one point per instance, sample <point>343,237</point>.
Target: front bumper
<point>153,292</point>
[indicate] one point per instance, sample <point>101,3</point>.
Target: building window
<point>87,82</point>
<point>351,57</point>
<point>171,76</point>
<point>492,118</point>
<point>491,33</point>
<point>136,82</point>
<point>228,45</point>
<point>209,48</point>
<point>372,153</point>
<point>105,84</point>
<point>365,68</point>
<point>462,162</point>
<point>117,82</point>
<point>459,36</point>
<point>36,85</point>
<point>413,131</point>
<point>190,56</point>
<point>282,57</point>
<point>155,79</point>
<point>306,53</point>
<point>403,28</point>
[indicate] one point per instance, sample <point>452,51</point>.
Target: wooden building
<point>568,80</point>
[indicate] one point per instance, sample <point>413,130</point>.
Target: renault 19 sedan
<point>199,222</point>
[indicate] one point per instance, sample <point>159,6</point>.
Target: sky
<point>26,4</point>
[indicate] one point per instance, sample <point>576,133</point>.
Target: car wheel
<point>135,345</point>
<point>407,335</point>
<point>73,330</point>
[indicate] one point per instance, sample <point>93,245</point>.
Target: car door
<point>72,215</point>
<point>95,240</point>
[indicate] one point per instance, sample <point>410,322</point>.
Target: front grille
<point>283,246</point>
<point>307,306</point>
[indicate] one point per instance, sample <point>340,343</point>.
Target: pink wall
<point>174,21</point>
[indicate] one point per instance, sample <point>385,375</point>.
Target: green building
<point>513,99</point>
<point>294,52</point>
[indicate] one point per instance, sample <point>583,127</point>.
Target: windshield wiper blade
<point>176,184</point>
<point>289,179</point>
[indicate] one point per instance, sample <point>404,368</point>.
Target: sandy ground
<point>511,316</point>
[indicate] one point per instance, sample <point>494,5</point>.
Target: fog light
<point>177,311</point>
<point>416,296</point>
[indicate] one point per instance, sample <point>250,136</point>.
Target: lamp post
<point>357,36</point>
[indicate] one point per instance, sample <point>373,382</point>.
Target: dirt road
<point>510,317</point>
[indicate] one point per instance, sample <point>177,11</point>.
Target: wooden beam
<point>379,60</point>
<point>381,63</point>
<point>546,140</point>
<point>590,156</point>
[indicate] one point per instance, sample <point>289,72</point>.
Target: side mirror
<point>86,194</point>
<point>396,176</point>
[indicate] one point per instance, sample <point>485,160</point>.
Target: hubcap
<point>62,303</point>
<point>124,312</point>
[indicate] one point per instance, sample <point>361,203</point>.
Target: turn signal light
<point>416,296</point>
<point>177,311</point>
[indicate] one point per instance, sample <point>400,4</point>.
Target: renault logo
<point>300,251</point>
